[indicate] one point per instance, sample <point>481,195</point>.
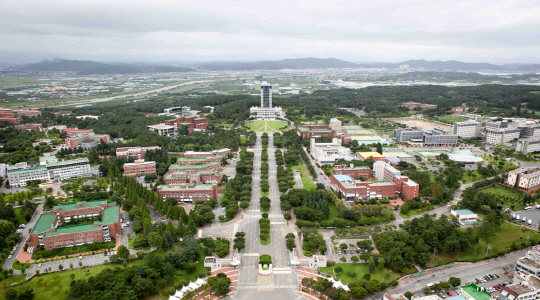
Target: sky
<point>496,31</point>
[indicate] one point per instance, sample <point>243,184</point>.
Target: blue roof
<point>342,178</point>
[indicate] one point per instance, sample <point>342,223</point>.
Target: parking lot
<point>492,284</point>
<point>532,214</point>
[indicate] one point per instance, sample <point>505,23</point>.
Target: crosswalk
<point>250,260</point>
<point>255,286</point>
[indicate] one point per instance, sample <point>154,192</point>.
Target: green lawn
<point>411,213</point>
<point>243,139</point>
<point>361,269</point>
<point>20,217</point>
<point>452,119</point>
<point>306,180</point>
<point>475,176</point>
<point>255,125</point>
<point>268,241</point>
<point>334,212</point>
<point>278,125</point>
<point>506,197</point>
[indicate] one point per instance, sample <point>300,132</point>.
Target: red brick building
<point>460,110</point>
<point>374,155</point>
<point>211,167</point>
<point>63,113</point>
<point>29,127</point>
<point>87,142</point>
<point>7,113</point>
<point>193,154</point>
<point>352,190</point>
<point>180,177</point>
<point>49,233</point>
<point>308,131</point>
<point>28,113</point>
<point>188,193</point>
<point>354,172</point>
<point>12,121</point>
<point>73,132</point>
<point>192,123</point>
<point>140,168</point>
<point>407,189</point>
<point>134,152</point>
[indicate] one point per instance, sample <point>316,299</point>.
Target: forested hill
<point>296,63</point>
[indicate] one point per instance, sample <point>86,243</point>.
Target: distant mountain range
<point>85,67</point>
<point>93,67</point>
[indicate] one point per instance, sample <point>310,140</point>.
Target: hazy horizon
<point>208,30</point>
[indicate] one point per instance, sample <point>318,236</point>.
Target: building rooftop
<point>175,166</point>
<point>73,229</point>
<point>40,167</point>
<point>529,262</point>
<point>477,295</point>
<point>76,130</point>
<point>110,214</point>
<point>68,162</point>
<point>73,205</point>
<point>89,136</point>
<point>519,289</point>
<point>178,187</point>
<point>342,178</point>
<point>370,154</point>
<point>44,223</point>
<point>464,212</point>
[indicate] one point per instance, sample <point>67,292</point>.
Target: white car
<point>10,256</point>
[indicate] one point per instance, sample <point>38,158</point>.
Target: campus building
<point>354,171</point>
<point>428,137</point>
<point>352,190</point>
<point>530,263</point>
<point>309,131</point>
<point>134,152</point>
<point>266,111</point>
<point>329,153</point>
<point>74,132</point>
<point>208,167</point>
<point>467,129</point>
<point>181,110</point>
<point>413,105</point>
<point>87,142</point>
<point>187,161</point>
<point>162,129</point>
<point>188,192</point>
<point>62,113</point>
<point>526,179</point>
<point>7,113</point>
<point>28,113</point>
<point>373,155</point>
<point>192,176</point>
<point>140,168</point>
<point>193,123</point>
<point>497,136</point>
<point>528,145</point>
<point>335,124</point>
<point>29,127</point>
<point>193,154</point>
<point>406,188</point>
<point>460,110</point>
<point>50,231</point>
<point>407,134</point>
<point>12,121</point>
<point>465,216</point>
<point>527,287</point>
<point>48,169</point>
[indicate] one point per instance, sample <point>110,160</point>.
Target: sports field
<point>360,132</point>
<point>396,154</point>
<point>452,119</point>
<point>424,124</point>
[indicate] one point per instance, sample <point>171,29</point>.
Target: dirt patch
<point>424,124</point>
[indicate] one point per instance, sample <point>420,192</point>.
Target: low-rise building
<point>467,129</point>
<point>211,166</point>
<point>465,216</point>
<point>29,127</point>
<point>191,123</point>
<point>407,134</point>
<point>497,136</point>
<point>530,263</point>
<point>329,153</point>
<point>194,154</point>
<point>192,176</point>
<point>308,131</point>
<point>24,173</point>
<point>355,172</point>
<point>140,168</point>
<point>188,193</point>
<point>74,132</point>
<point>524,178</point>
<point>28,113</point>
<point>352,190</point>
<point>7,113</point>
<point>88,142</point>
<point>50,231</point>
<point>460,110</point>
<point>134,152</point>
<point>335,124</point>
<point>62,113</point>
<point>187,161</point>
<point>67,169</point>
<point>528,145</point>
<point>406,188</point>
<point>12,121</point>
<point>48,169</point>
<point>162,129</point>
<point>528,288</point>
<point>428,137</point>
<point>373,155</point>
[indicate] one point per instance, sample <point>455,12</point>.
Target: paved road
<point>9,262</point>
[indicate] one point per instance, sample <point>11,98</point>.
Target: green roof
<point>110,214</point>
<point>191,159</point>
<point>464,212</point>
<point>31,169</point>
<point>175,166</point>
<point>181,188</point>
<point>321,130</point>
<point>44,223</point>
<point>303,129</point>
<point>73,229</point>
<point>185,123</point>
<point>73,205</point>
<point>477,295</point>
<point>382,183</point>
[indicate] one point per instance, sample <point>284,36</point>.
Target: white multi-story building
<point>335,124</point>
<point>384,171</point>
<point>524,178</point>
<point>329,153</point>
<point>497,136</point>
<point>162,129</point>
<point>467,129</point>
<point>266,111</point>
<point>378,169</point>
<point>48,169</point>
<point>528,145</point>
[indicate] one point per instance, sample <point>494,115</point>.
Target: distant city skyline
<point>208,30</point>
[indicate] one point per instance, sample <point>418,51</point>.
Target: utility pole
<point>434,251</point>
<point>527,244</point>
<point>506,251</point>
<point>487,248</point>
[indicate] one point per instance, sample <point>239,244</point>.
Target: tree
<point>379,148</point>
<point>358,292</point>
<point>222,286</point>
<point>60,267</point>
<point>167,240</point>
<point>123,252</point>
<point>454,281</point>
<point>6,228</point>
<point>288,216</point>
<point>354,258</point>
<point>381,264</point>
<point>11,294</point>
<point>371,264</point>
<point>338,269</point>
<point>72,276</point>
<point>71,266</point>
<point>290,244</point>
<point>408,295</point>
<point>154,240</point>
<point>26,295</point>
<point>55,276</point>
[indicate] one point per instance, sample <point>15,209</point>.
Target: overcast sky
<point>357,30</point>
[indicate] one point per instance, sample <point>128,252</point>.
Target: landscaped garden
<point>355,272</point>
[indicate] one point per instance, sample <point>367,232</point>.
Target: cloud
<point>384,30</point>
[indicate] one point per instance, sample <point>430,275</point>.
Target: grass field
<point>505,197</point>
<point>386,275</point>
<point>451,119</point>
<point>277,125</point>
<point>476,176</point>
<point>20,217</point>
<point>255,125</point>
<point>334,212</point>
<point>271,126</point>
<point>306,180</point>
